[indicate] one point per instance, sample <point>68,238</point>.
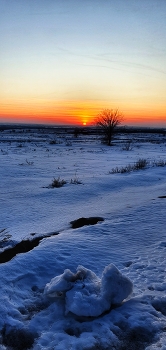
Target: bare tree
<point>108,120</point>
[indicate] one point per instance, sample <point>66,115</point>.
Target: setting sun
<point>55,71</point>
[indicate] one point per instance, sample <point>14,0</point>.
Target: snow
<point>86,294</point>
<point>132,237</point>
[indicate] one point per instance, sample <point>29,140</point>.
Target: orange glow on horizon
<point>74,112</point>
<point>58,112</point>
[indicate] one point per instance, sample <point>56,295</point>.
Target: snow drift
<point>88,295</point>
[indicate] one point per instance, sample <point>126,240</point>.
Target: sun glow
<point>72,112</point>
<point>75,112</point>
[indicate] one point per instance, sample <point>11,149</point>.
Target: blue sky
<point>59,54</point>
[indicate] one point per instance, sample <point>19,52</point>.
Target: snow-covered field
<point>132,237</point>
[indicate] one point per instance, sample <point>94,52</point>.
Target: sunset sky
<point>62,61</point>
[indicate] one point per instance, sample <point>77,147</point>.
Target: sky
<point>63,61</point>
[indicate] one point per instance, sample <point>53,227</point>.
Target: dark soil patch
<point>27,245</point>
<point>86,221</point>
<point>22,247</point>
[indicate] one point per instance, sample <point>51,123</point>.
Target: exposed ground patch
<point>27,245</point>
<point>93,220</point>
<point>22,247</point>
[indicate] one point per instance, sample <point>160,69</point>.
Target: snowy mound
<point>88,295</point>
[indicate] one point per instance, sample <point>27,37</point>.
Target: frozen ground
<point>132,237</point>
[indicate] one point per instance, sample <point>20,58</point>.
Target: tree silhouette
<point>108,120</point>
